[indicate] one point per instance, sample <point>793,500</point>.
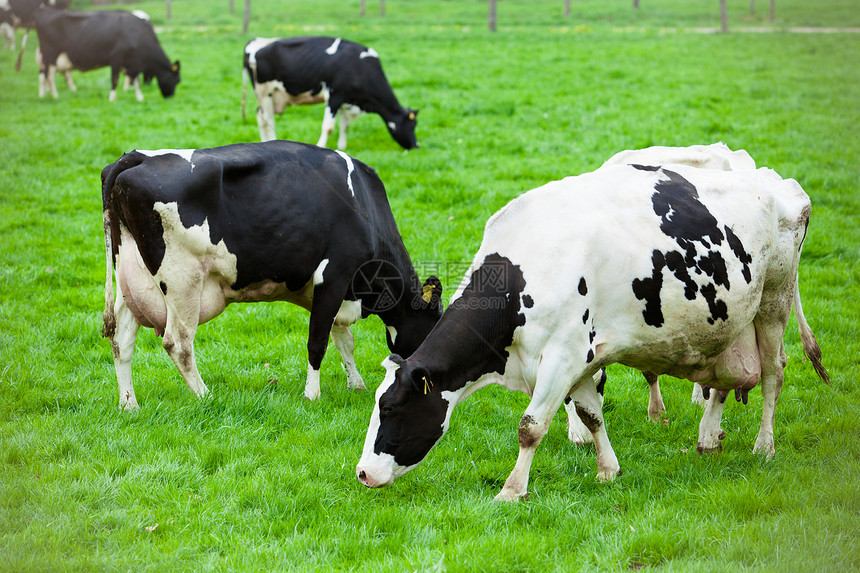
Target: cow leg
<point>51,82</point>
<point>656,408</point>
<point>183,316</point>
<point>69,81</point>
<point>327,300</point>
<point>769,339</point>
<point>329,119</point>
<point>710,432</point>
<point>345,344</point>
<point>577,433</point>
<point>43,82</point>
<point>547,397</point>
<point>114,80</point>
<point>348,113</point>
<point>122,344</point>
<point>137,93</point>
<point>588,401</point>
<point>697,396</point>
<point>266,116</point>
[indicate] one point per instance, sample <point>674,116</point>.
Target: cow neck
<point>473,335</point>
<point>385,104</point>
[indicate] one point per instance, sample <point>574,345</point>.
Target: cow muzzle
<point>377,470</point>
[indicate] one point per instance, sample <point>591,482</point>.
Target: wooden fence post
<point>491,16</point>
<point>724,19</point>
<point>247,19</point>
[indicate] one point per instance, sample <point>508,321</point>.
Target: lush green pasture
<point>257,478</point>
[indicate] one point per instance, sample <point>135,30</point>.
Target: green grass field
<point>257,478</point>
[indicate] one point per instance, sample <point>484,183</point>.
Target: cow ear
<point>421,381</point>
<point>431,292</point>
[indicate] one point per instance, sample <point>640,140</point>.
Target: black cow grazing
<point>89,40</point>
<point>190,231</point>
<point>346,76</point>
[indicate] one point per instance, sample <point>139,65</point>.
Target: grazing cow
<point>190,231</point>
<point>714,156</point>
<point>20,13</point>
<point>683,271</point>
<point>346,76</point>
<point>89,40</point>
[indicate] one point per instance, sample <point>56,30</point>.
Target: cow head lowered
<point>410,416</point>
<point>168,79</point>
<point>402,128</point>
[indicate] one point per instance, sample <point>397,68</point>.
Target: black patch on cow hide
<point>585,316</point>
<point>528,301</point>
<point>582,288</point>
<point>471,338</point>
<point>163,287</point>
<point>684,218</point>
<point>645,167</point>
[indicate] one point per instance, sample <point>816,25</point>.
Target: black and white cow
<point>88,40</point>
<point>346,76</point>
<point>7,25</point>
<point>674,269</point>
<point>20,13</point>
<point>713,156</point>
<point>190,231</point>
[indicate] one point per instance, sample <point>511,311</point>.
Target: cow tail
<point>109,326</point>
<point>21,53</point>
<point>810,345</point>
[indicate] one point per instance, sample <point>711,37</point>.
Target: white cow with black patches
<point>714,156</point>
<point>190,231</point>
<point>598,269</point>
<point>345,76</point>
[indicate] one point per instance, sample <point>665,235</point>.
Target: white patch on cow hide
<point>333,48</point>
<point>391,125</point>
<point>318,274</point>
<point>191,249</point>
<point>350,167</point>
<point>255,46</point>
<point>183,153</point>
<point>392,332</point>
<point>142,15</point>
<point>349,313</point>
<point>368,53</point>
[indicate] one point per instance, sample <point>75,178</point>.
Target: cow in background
<point>672,270</point>
<point>190,231</point>
<point>89,40</point>
<point>20,13</point>
<point>345,76</point>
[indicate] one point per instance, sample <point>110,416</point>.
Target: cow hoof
<point>312,395</point>
<point>703,449</point>
<point>510,495</point>
<point>767,450</point>
<point>130,406</point>
<point>604,476</point>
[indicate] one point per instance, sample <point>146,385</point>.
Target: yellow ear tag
<point>427,293</point>
<point>427,385</point>
<point>174,67</point>
<point>412,115</point>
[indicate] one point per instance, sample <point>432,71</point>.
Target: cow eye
<point>386,409</point>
